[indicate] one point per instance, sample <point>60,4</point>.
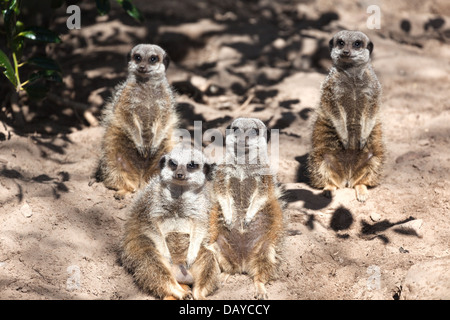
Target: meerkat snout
<point>148,60</point>
<point>350,47</point>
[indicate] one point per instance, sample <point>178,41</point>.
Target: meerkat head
<point>247,137</point>
<point>350,48</point>
<point>185,166</point>
<point>147,61</point>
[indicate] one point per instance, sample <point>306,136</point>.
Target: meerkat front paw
<point>228,221</point>
<point>143,150</point>
<point>362,143</point>
<point>247,221</point>
<point>345,143</point>
<point>190,260</point>
<point>168,257</point>
<point>361,192</point>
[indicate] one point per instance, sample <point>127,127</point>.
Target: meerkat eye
<point>254,132</point>
<point>236,130</point>
<point>172,164</point>
<point>341,42</point>
<point>137,57</point>
<point>153,59</point>
<point>357,44</point>
<point>192,165</point>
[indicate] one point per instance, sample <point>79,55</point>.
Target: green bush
<point>46,68</point>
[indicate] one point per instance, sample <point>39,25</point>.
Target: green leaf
<point>19,26</point>
<point>51,75</point>
<point>103,6</point>
<point>36,91</point>
<point>9,70</point>
<point>40,34</point>
<point>13,4</point>
<point>44,63</point>
<point>9,18</point>
<point>131,9</point>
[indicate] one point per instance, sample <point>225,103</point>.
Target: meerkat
<point>165,238</point>
<point>347,142</point>
<point>139,122</point>
<point>247,223</point>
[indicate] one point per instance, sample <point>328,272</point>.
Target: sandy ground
<point>59,235</point>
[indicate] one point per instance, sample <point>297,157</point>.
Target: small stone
<point>375,216</point>
<point>26,210</point>
<point>200,83</point>
<point>279,43</point>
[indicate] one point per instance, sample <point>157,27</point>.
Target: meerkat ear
<point>208,170</point>
<point>330,44</point>
<point>162,162</point>
<point>370,46</point>
<point>228,130</point>
<point>166,60</point>
<point>267,134</point>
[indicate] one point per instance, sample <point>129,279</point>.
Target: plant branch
<point>16,71</point>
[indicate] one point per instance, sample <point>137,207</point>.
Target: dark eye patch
<point>357,44</point>
<point>341,42</point>
<point>192,165</point>
<point>137,57</point>
<point>236,130</point>
<point>153,59</point>
<point>172,164</point>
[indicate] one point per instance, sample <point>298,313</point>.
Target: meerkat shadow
<point>302,172</point>
<point>97,173</point>
<point>311,200</point>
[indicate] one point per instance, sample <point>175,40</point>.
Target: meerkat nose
<point>346,52</point>
<point>180,174</point>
